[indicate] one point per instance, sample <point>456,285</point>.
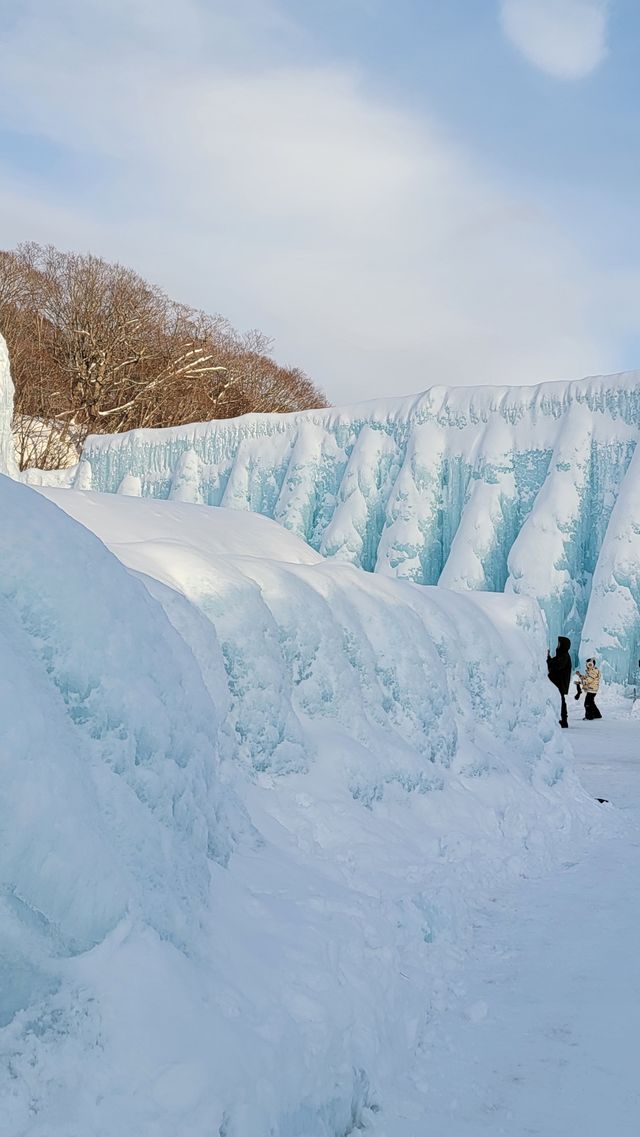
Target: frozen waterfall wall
<point>527,490</point>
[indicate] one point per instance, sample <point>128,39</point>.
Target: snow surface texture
<point>501,489</point>
<point>250,802</point>
<point>543,1037</point>
<point>8,463</point>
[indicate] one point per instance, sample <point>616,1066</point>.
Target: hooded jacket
<point>559,665</point>
<point>590,681</point>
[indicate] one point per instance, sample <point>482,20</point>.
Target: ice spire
<point>8,464</point>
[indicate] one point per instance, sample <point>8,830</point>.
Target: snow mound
<point>498,489</point>
<point>249,800</point>
<point>304,639</point>
<point>110,810</point>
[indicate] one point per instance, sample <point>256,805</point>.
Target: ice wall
<point>7,452</point>
<point>499,489</point>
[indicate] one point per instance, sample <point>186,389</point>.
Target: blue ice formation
<point>501,489</point>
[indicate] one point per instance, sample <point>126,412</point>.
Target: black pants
<point>563,712</point>
<point>590,709</point>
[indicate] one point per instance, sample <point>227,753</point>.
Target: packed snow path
<point>540,1034</point>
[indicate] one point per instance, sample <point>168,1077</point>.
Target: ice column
<point>488,526</point>
<point>8,464</point>
<point>611,632</point>
<point>547,558</point>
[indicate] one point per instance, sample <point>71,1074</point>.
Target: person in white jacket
<point>590,684</point>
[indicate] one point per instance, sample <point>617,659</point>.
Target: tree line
<point>95,348</point>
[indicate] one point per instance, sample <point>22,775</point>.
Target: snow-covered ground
<point>538,1033</point>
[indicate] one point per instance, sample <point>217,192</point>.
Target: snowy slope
<point>250,803</point>
<point>476,488</point>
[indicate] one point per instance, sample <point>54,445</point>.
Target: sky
<point>402,193</point>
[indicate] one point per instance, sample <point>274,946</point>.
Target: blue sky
<point>401,193</point>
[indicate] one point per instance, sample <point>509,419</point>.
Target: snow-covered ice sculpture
<point>251,802</point>
<point>485,488</point>
<point>8,463</point>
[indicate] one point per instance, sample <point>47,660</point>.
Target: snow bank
<point>110,810</point>
<point>475,488</point>
<point>178,962</point>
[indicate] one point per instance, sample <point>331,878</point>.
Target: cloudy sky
<point>400,192</point>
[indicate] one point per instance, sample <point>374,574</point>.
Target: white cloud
<point>565,38</point>
<point>371,246</point>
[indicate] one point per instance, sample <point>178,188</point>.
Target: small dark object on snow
<point>603,800</point>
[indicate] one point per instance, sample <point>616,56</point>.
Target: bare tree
<point>115,338</point>
<point>95,348</point>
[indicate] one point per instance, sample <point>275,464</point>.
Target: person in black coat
<point>560,668</point>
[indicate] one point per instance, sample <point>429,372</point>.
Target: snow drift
<point>499,489</point>
<point>249,800</point>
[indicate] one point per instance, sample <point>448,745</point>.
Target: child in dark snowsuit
<point>559,667</point>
